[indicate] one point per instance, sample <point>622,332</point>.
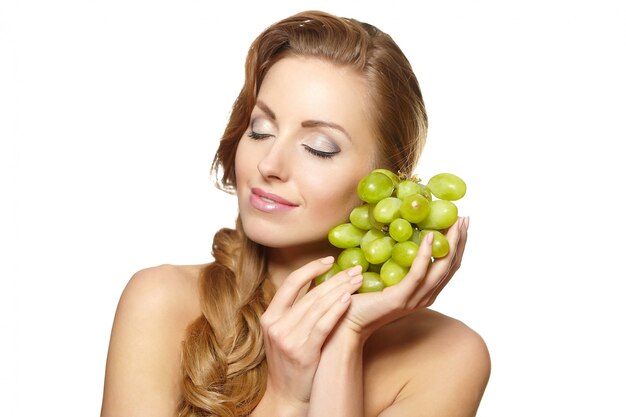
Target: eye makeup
<point>321,146</point>
<point>314,142</point>
<point>318,153</point>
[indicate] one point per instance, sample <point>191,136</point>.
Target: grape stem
<point>414,178</point>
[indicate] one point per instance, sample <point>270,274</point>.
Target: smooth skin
<point>453,387</point>
<point>423,364</point>
<point>329,353</point>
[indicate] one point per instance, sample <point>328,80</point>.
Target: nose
<point>275,162</point>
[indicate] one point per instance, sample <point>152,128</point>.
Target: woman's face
<point>309,142</point>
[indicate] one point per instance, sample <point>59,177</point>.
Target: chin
<point>268,242</point>
<point>266,235</point>
<point>275,241</point>
<point>287,239</point>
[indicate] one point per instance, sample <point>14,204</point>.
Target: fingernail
<point>429,238</point>
<point>327,260</point>
<point>345,297</point>
<point>357,279</point>
<point>466,222</point>
<point>355,270</point>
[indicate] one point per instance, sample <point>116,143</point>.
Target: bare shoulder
<point>165,286</point>
<point>429,360</point>
<point>143,363</point>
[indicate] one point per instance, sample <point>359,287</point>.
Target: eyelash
<point>258,136</point>
<point>320,154</point>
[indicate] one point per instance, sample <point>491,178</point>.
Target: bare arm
<point>340,371</point>
<point>338,387</point>
<point>447,376</point>
<point>143,365</point>
<point>294,331</point>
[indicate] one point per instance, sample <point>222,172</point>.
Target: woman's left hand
<point>417,290</point>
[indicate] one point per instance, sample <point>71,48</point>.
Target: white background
<point>110,113</point>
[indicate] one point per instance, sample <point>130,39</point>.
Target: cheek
<point>242,162</point>
<point>341,195</point>
<point>332,204</point>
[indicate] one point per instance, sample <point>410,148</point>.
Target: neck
<point>283,261</point>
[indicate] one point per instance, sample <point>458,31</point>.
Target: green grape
<point>393,177</point>
<point>400,230</point>
<point>387,210</point>
<point>385,232</point>
<point>414,208</point>
<point>440,246</point>
<point>334,269</point>
<point>352,257</point>
<point>374,187</point>
<point>371,235</point>
<point>345,235</point>
<point>375,223</point>
<point>425,191</point>
<point>360,217</point>
<point>409,187</point>
<point>447,187</point>
<point>404,253</point>
<point>371,283</point>
<point>375,267</point>
<point>406,188</point>
<point>391,273</point>
<point>442,215</point>
<point>379,250</point>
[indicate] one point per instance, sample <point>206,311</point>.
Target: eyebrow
<point>307,123</point>
<point>265,108</point>
<point>315,123</point>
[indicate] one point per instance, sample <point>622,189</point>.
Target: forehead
<point>313,88</point>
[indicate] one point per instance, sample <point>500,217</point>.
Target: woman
<point>325,100</point>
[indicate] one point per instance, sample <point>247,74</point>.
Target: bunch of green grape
<point>384,233</point>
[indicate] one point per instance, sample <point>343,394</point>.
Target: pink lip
<point>269,202</point>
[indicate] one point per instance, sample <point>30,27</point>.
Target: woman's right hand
<point>295,329</point>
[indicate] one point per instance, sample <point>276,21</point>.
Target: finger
<point>456,262</point>
<point>441,266</point>
<point>433,272</point>
<point>291,286</point>
<point>329,285</point>
<point>325,325</point>
<point>463,240</point>
<point>313,305</point>
<point>418,269</point>
<point>460,245</point>
<point>309,318</point>
<point>442,270</point>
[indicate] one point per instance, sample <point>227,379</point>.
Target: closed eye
<point>257,136</point>
<point>319,153</point>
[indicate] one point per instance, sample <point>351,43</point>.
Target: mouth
<point>271,198</point>
<point>269,202</point>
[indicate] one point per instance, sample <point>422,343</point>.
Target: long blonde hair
<point>223,361</point>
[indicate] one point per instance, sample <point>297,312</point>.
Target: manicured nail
<point>327,260</point>
<point>355,270</point>
<point>357,279</point>
<point>466,223</point>
<point>345,297</point>
<point>429,238</point>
